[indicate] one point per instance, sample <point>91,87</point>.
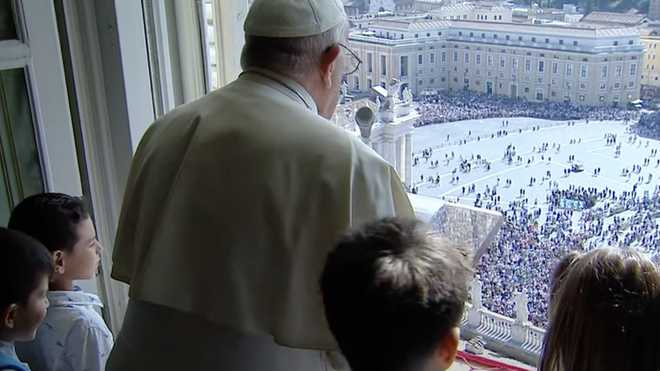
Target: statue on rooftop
<point>344,91</point>
<point>407,95</point>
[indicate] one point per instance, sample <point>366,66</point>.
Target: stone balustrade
<point>512,337</point>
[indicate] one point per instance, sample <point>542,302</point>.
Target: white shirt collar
<point>285,85</point>
<point>7,349</point>
<point>76,297</point>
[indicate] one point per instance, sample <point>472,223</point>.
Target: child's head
<point>62,223</point>
<point>603,313</point>
<point>394,296</point>
<point>26,269</point>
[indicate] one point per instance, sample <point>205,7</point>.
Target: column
<point>407,171</point>
<point>474,315</point>
<point>398,152</point>
<point>519,328</point>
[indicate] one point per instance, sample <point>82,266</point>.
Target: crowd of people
<point>469,106</point>
<point>648,125</point>
<point>539,232</point>
<point>529,245</point>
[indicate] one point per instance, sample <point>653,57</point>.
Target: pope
<point>234,200</point>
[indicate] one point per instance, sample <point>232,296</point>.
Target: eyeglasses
<point>352,61</point>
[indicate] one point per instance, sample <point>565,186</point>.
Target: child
<point>603,313</point>
<point>26,270</point>
<point>73,335</point>
<point>394,295</point>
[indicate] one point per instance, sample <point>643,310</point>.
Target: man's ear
<point>9,316</point>
<point>328,64</point>
<point>447,348</point>
<point>59,261</point>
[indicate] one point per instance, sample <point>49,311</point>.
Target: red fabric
<point>486,362</point>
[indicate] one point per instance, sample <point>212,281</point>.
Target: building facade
<point>473,12</point>
<point>376,6</point>
<point>428,5</point>
<point>614,19</point>
<point>651,61</point>
<point>587,66</point>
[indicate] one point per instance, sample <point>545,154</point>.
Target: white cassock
<point>232,205</point>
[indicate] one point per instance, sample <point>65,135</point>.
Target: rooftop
<point>613,17</point>
<point>579,30</point>
<point>468,7</point>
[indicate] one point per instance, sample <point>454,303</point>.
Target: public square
<point>562,185</point>
<point>590,149</point>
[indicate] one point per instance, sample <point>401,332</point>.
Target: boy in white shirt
<point>73,335</point>
<point>24,276</point>
<point>394,296</point>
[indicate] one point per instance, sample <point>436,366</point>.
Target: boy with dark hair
<point>73,336</point>
<point>24,276</point>
<point>394,295</point>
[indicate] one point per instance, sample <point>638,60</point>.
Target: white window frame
<point>584,71</point>
<point>115,107</point>
<point>39,54</point>
<point>229,15</point>
<point>536,97</point>
<point>404,72</point>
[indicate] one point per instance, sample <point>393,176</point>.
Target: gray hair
<point>294,56</point>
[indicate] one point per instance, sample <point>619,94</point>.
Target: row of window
<point>479,17</point>
<point>567,84</point>
<point>484,17</point>
<point>540,55</point>
<point>489,88</point>
<point>401,36</point>
<point>520,38</point>
<point>540,65</point>
<point>483,35</point>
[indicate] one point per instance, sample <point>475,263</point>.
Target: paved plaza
<point>590,149</point>
<point>540,228</point>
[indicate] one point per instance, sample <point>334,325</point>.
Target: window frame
<point>37,52</point>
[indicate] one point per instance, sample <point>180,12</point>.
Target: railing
<point>516,338</point>
<point>534,339</point>
<point>495,326</point>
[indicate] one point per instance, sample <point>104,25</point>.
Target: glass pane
<point>20,167</point>
<point>7,24</point>
<point>208,24</point>
<point>550,139</point>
